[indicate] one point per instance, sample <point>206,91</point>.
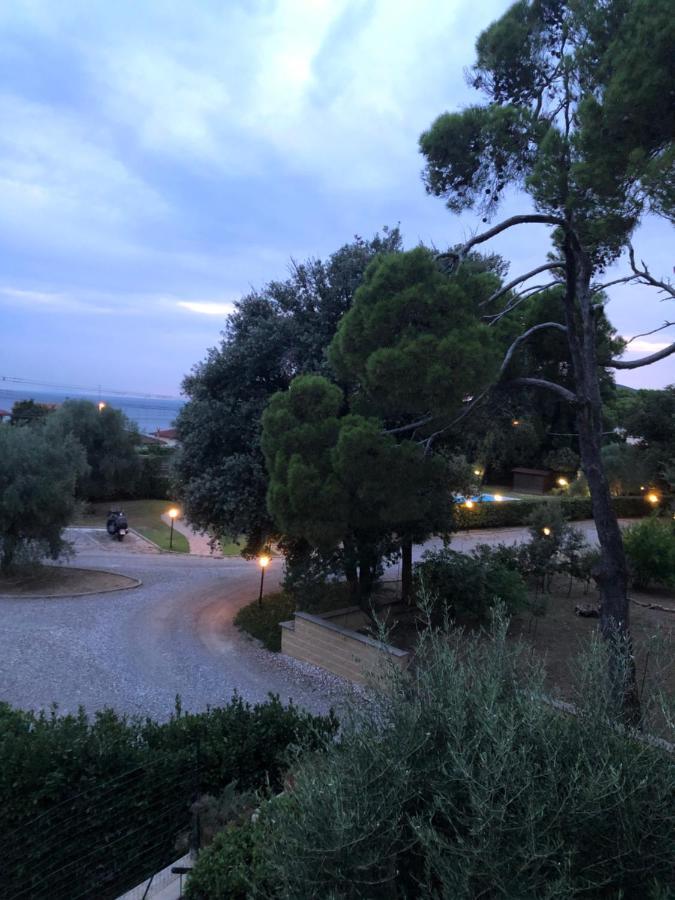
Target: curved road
<point>136,649</point>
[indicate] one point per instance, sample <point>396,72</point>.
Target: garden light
<point>546,531</point>
<point>101,406</point>
<point>477,472</point>
<point>652,498</point>
<point>172,514</point>
<point>563,482</point>
<point>515,422</point>
<point>469,504</point>
<point>498,498</point>
<point>263,562</point>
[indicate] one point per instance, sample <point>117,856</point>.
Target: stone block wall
<point>325,641</point>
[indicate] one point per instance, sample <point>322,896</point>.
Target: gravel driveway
<point>136,650</point>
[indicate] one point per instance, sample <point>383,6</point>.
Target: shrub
<point>99,803</point>
<point>233,866</point>
<point>458,782</point>
<point>650,548</point>
<point>517,512</point>
<point>262,621</point>
<point>463,585</point>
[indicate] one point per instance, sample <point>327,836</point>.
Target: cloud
<point>642,346</point>
<point>52,301</point>
<point>206,308</point>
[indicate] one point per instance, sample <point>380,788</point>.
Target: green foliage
<point>274,334</point>
<point>458,781</point>
<point>461,585</point>
<point>413,340</point>
<point>109,440</point>
<point>344,485</point>
<point>122,787</point>
<point>650,548</point>
<point>39,470</point>
<point>262,621</point>
<point>233,867</point>
<point>28,412</point>
<point>627,468</point>
<point>563,83</point>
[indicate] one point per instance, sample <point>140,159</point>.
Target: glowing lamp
<point>546,531</point>
<point>498,498</point>
<point>563,482</point>
<point>469,504</point>
<point>652,498</point>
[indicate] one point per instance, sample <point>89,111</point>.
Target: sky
<point>158,159</point>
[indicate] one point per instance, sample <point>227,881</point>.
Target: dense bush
<point>99,803</point>
<point>233,866</point>
<point>511,513</point>
<point>650,548</point>
<point>464,585</point>
<point>262,620</point>
<point>458,782</point>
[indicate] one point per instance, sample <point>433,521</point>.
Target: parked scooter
<point>117,525</point>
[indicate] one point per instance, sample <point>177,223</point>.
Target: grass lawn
<point>144,516</point>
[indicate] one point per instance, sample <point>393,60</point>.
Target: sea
<point>150,412</point>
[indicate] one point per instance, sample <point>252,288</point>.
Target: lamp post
<point>173,515</point>
<point>263,562</point>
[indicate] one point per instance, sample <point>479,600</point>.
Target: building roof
<point>169,434</point>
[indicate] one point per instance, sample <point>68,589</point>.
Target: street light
<point>101,405</point>
<point>263,562</point>
<point>652,498</point>
<point>173,514</point>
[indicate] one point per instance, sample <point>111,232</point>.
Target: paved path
<point>199,543</point>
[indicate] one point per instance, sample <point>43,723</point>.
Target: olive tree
<point>39,470</point>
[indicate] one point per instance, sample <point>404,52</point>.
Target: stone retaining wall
<point>330,641</point>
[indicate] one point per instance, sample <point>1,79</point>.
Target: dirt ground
<point>558,635</point>
<point>59,581</point>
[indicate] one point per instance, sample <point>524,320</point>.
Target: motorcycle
<point>117,525</point>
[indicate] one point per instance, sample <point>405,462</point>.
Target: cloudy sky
<point>159,158</point>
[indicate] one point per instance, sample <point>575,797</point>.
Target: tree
<point>409,350</point>
<point>339,482</point>
<point>39,470</point>
<point>28,412</point>
<point>649,418</point>
<point>109,440</point>
<point>274,334</point>
<point>579,114</point>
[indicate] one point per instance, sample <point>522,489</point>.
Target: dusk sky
<point>157,159</point>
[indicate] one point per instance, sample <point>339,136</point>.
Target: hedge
<point>99,804</point>
<point>517,512</point>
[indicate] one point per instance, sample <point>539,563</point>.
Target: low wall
<point>327,641</point>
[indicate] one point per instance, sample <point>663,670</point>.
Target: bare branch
<point>558,264</point>
<point>646,276</point>
<point>546,385</point>
<point>602,287</point>
<point>456,257</point>
<point>523,337</point>
<point>411,427</point>
<point>647,333</point>
<point>638,363</point>
<point>525,295</point>
<point>427,442</point>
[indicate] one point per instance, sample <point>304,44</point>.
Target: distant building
<point>167,436</point>
<point>5,414</point>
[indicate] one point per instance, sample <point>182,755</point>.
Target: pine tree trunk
<point>612,574</point>
<point>406,569</point>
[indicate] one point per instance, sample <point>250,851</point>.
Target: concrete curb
<point>129,587</point>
